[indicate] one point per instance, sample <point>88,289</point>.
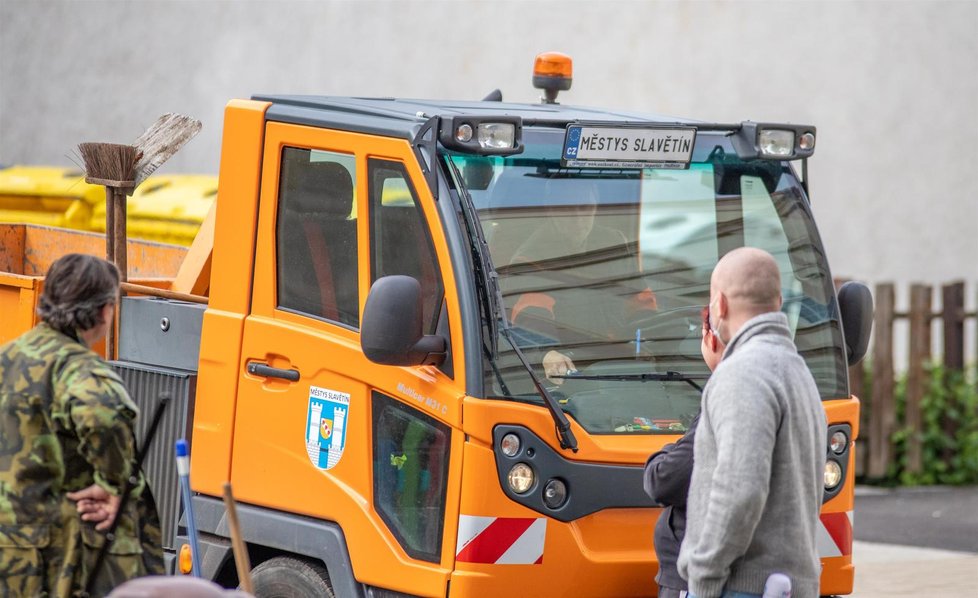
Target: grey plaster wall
<point>892,86</point>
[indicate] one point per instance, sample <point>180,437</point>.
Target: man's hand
<point>556,363</point>
<point>97,505</point>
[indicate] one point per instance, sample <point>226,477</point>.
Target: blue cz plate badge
<point>628,147</point>
<point>326,423</point>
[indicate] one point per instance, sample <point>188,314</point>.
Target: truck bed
<point>27,251</point>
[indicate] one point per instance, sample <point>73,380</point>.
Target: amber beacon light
<point>552,72</point>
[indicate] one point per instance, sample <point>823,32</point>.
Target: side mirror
<point>856,308</point>
<point>391,332</point>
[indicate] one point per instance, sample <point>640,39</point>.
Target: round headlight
<point>464,133</point>
<point>839,442</point>
<point>806,142</point>
<point>555,494</point>
<point>833,474</point>
<point>510,445</point>
<point>520,478</point>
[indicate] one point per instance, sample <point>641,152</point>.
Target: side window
<point>400,242</point>
<point>316,236</point>
<point>410,457</point>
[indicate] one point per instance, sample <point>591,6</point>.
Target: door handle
<point>266,371</point>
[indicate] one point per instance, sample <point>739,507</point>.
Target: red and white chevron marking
<point>834,534</point>
<point>500,540</point>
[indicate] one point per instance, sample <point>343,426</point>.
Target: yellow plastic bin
<point>165,208</point>
<point>48,196</point>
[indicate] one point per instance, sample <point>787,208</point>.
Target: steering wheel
<point>667,327</point>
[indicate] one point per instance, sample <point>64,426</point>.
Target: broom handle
<point>119,233</point>
<point>241,560</point>
<point>110,224</point>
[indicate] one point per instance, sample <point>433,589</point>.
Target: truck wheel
<point>287,577</point>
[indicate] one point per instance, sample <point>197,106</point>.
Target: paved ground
<point>885,570</point>
<point>934,517</point>
<point>916,542</point>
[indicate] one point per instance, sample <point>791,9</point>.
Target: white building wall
<point>892,87</point>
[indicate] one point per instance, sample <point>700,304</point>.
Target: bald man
<point>760,445</point>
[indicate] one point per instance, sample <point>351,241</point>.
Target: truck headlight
<point>520,478</point>
<point>510,445</point>
<point>776,143</point>
<point>773,141</point>
<point>500,135</point>
<point>839,442</point>
<point>555,493</point>
<point>497,135</point>
<point>833,474</point>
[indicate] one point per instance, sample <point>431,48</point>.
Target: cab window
<point>400,242</point>
<point>411,453</point>
<point>316,236</point>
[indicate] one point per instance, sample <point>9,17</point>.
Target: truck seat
<point>318,244</point>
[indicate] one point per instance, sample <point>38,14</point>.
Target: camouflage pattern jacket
<point>66,422</point>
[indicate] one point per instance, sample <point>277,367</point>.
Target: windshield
<point>611,269</point>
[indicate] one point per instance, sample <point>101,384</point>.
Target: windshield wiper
<point>487,280</point>
<point>564,433</point>
<point>646,377</point>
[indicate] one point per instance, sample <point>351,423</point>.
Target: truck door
<point>319,430</point>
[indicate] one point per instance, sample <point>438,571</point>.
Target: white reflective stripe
<point>826,545</point>
<point>183,466</point>
<point>528,547</point>
<point>849,515</point>
<point>469,527</point>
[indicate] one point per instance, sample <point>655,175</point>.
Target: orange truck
<point>384,279</point>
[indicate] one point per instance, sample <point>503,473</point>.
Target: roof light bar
<point>770,141</point>
<point>483,135</point>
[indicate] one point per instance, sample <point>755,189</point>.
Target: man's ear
<point>722,306</point>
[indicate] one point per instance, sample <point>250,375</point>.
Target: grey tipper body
<point>757,479</point>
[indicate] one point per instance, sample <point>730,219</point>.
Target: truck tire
<point>288,577</point>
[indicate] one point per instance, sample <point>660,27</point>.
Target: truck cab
<point>391,284</point>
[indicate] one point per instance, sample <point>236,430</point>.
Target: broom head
<point>110,164</point>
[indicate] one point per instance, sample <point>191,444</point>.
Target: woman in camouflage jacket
<point>67,446</point>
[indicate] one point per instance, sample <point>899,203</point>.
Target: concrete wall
<point>892,86</point>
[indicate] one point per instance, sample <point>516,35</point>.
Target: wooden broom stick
<point>241,560</point>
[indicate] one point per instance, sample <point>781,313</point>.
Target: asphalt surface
<point>932,517</point>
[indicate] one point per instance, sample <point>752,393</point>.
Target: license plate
<point>628,147</point>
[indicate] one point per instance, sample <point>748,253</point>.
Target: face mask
<point>715,331</point>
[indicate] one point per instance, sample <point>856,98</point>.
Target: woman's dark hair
<point>76,289</point>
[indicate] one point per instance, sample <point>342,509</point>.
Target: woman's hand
<point>96,505</point>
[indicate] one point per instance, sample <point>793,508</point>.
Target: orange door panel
<point>304,438</point>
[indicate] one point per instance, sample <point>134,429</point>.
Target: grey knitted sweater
<point>760,451</point>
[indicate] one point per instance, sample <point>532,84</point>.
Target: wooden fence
<point>878,415</point>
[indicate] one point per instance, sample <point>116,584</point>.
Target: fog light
<point>833,474</point>
<point>807,142</point>
<point>555,494</point>
<point>464,133</point>
<point>839,442</point>
<point>776,142</point>
<point>186,560</point>
<point>520,478</point>
<point>497,135</point>
<point>510,445</point>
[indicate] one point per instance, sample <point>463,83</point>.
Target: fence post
<point>953,314</point>
<point>881,403</point>
<point>920,318</point>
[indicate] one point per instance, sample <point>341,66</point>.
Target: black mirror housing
<point>856,308</point>
<point>392,329</point>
